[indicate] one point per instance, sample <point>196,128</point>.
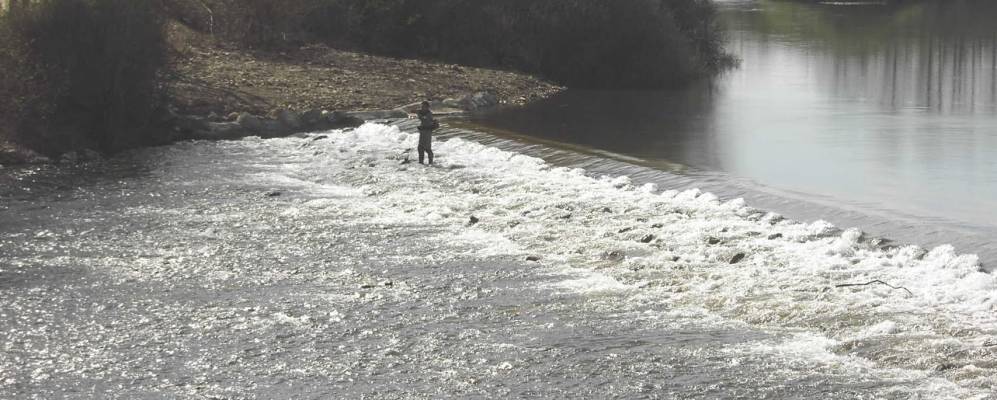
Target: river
<point>527,264</point>
<point>880,117</point>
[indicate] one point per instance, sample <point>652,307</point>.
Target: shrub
<point>584,43</point>
<point>87,73</point>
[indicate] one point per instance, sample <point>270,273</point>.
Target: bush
<point>582,43</point>
<point>86,73</point>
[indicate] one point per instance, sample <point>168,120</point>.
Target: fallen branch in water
<point>872,282</point>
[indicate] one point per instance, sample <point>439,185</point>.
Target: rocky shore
<point>287,122</point>
<point>218,91</point>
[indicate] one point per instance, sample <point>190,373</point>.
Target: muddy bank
<point>216,79</point>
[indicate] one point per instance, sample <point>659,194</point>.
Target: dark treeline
<point>85,73</point>
<point>80,73</point>
<point>579,43</point>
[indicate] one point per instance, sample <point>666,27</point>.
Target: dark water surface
<point>881,117</point>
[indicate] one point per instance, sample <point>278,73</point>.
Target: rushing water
<point>882,117</point>
<point>325,266</point>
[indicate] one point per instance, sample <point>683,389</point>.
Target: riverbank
<point>211,83</point>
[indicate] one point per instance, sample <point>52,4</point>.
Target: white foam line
<point>679,245</point>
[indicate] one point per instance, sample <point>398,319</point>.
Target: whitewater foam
<point>686,246</point>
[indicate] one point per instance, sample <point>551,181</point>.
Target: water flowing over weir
<point>324,266</point>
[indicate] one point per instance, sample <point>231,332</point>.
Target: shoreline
<point>218,91</point>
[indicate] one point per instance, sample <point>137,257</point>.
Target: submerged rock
<point>713,240</point>
<point>614,255</point>
<point>473,220</point>
<point>775,236</point>
<point>533,258</point>
<point>647,239</point>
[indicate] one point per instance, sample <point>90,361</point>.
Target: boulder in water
<point>289,119</point>
<point>533,258</point>
<point>478,101</point>
<point>473,220</point>
<point>249,122</point>
<point>614,255</point>
<point>274,129</point>
<point>775,236</point>
<point>221,131</point>
<point>737,258</point>
<point>312,119</point>
<point>339,119</point>
<point>647,239</point>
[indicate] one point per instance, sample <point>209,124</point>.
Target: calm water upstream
<point>882,117</point>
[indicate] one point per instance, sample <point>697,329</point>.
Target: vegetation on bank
<point>578,43</point>
<point>81,74</point>
<point>88,73</point>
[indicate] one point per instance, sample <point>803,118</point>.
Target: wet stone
<point>647,239</point>
<point>614,255</point>
<point>737,258</point>
<point>775,236</point>
<point>713,240</point>
<point>625,230</point>
<point>533,258</point>
<point>273,193</point>
<point>473,220</point>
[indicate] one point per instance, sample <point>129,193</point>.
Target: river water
<point>326,266</point>
<point>881,117</point>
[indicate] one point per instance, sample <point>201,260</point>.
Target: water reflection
<point>933,56</point>
<point>890,110</point>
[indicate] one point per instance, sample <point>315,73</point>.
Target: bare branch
<point>877,281</point>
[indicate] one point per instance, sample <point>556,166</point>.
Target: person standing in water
<point>426,126</point>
